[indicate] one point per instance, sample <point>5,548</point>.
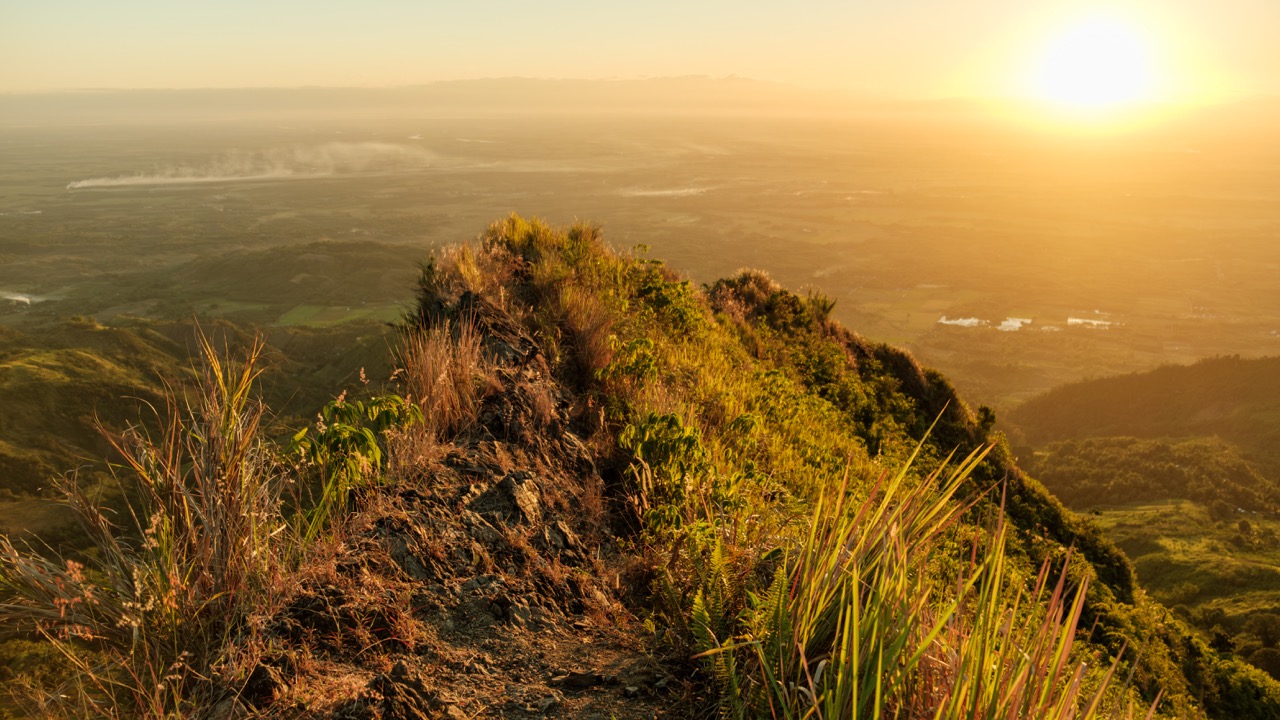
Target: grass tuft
<point>446,374</point>
<point>141,621</point>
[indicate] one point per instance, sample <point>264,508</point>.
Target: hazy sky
<point>902,48</point>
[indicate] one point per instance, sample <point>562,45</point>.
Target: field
<point>1220,573</point>
<point>1123,253</point>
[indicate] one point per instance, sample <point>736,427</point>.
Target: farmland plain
<point>1121,252</point>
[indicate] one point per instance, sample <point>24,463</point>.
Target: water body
<point>962,322</point>
<point>1089,322</point>
<point>1013,324</point>
<point>673,192</point>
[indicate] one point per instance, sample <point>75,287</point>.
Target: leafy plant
<point>666,457</point>
<point>348,447</point>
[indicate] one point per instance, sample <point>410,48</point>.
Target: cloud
<point>296,162</point>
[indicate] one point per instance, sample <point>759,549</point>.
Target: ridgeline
<point>595,490</point>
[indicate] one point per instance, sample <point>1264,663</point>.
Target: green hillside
<point>622,495</point>
<point>1232,398</point>
<point>63,383</point>
<point>59,382</point>
<point>1179,467</point>
<point>1116,470</point>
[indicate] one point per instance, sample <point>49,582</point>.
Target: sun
<point>1097,63</point>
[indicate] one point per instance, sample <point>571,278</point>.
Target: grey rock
<point>576,680</point>
<point>559,536</point>
<point>480,582</point>
<point>513,499</point>
<point>519,615</point>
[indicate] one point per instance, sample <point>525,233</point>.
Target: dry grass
<point>447,375</point>
<point>487,271</point>
<point>588,325</point>
<point>141,624</point>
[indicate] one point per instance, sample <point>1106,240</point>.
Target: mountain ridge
<point>607,445</point>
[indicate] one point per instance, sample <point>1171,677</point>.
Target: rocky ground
<point>485,580</point>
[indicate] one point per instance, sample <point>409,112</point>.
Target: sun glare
<point>1098,63</point>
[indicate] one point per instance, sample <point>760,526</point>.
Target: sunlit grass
<point>813,560</point>
<point>139,623</point>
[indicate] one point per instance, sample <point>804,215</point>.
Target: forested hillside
<point>1232,398</point>
<point>1179,466</point>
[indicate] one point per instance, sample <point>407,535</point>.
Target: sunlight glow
<point>1098,63</point>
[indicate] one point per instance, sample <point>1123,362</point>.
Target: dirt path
<point>485,581</point>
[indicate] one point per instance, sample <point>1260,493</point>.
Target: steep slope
<point>483,581</point>
<point>749,395</point>
<point>1179,465</point>
<point>754,388</point>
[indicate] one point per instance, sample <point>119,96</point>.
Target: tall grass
<point>141,620</point>
<point>588,326</point>
<point>856,624</point>
<point>446,375</point>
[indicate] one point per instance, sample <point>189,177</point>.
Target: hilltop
<point>597,489</point>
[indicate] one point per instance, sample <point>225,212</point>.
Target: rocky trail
<point>486,580</point>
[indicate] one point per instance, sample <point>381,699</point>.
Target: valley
<point>1013,262</point>
<point>1106,247</point>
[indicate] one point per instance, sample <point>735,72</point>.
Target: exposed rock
<point>451,591</point>
<point>228,708</point>
<point>481,581</point>
<point>548,703</point>
<point>403,555</point>
<point>519,614</point>
<point>397,695</point>
<point>577,680</point>
<point>513,499</point>
<point>558,536</point>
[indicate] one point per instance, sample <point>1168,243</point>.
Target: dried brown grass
<point>143,622</point>
<point>447,375</point>
<point>588,325</point>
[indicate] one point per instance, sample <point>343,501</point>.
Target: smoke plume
<point>294,162</point>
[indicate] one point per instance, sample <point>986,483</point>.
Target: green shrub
<point>347,447</point>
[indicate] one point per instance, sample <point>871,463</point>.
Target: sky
<point>906,49</point>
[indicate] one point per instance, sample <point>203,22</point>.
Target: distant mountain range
<point>687,95</point>
<point>490,96</point>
